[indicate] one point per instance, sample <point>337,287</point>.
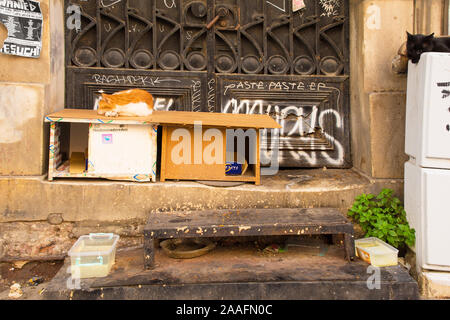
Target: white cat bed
<point>113,148</point>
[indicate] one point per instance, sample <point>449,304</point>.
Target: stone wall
<point>378,98</point>
<point>29,89</point>
<point>32,88</point>
<point>39,218</point>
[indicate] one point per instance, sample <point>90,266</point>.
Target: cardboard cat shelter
<point>84,144</point>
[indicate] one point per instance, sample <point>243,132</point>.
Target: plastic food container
<point>93,255</point>
<point>376,252</point>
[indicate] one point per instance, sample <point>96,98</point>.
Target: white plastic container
<point>427,138</point>
<point>426,203</point>
<point>93,255</point>
<point>376,252</point>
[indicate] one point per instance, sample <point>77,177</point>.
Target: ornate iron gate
<point>255,56</point>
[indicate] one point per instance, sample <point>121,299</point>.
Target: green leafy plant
<point>384,217</point>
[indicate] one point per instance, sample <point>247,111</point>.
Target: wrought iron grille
<point>222,56</point>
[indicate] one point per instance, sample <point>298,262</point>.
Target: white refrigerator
<point>427,173</point>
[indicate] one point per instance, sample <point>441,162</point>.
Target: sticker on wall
<point>298,5</point>
<point>107,138</point>
<point>23,19</point>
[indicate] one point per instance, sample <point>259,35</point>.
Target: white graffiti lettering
<point>298,123</point>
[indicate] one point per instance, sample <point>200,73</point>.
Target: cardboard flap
<point>207,119</point>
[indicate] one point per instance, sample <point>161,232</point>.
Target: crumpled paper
<point>15,291</point>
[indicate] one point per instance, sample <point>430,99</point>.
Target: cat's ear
<point>409,35</point>
<point>428,42</point>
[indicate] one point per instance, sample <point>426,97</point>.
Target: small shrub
<point>384,217</point>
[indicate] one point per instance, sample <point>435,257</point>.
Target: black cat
<point>420,43</point>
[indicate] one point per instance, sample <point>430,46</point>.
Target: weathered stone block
<point>387,112</point>
<point>35,239</point>
<point>377,30</point>
<point>359,115</point>
<point>55,101</point>
<point>385,25</point>
<point>388,134</point>
<point>435,285</point>
<point>24,240</point>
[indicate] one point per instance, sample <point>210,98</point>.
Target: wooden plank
<point>163,154</point>
<point>241,263</point>
<point>63,172</point>
<point>153,131</point>
<point>247,222</point>
<point>215,119</point>
<point>237,272</point>
<point>251,217</point>
<point>258,159</point>
<point>77,163</point>
<point>244,230</point>
<point>172,117</point>
<point>349,243</point>
<point>51,154</point>
<point>149,252</point>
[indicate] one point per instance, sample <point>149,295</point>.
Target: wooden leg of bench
<point>149,253</point>
<point>349,244</point>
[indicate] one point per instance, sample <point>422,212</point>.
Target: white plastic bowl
<point>93,255</point>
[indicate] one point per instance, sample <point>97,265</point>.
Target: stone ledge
<point>35,198</point>
<point>238,272</point>
<point>39,218</point>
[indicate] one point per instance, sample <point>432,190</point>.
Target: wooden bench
<point>245,222</point>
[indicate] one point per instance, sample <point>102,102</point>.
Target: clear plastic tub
<point>376,252</point>
<point>93,255</point>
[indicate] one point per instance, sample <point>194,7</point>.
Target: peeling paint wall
<point>21,133</point>
<point>17,107</point>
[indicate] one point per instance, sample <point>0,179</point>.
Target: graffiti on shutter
<point>279,57</point>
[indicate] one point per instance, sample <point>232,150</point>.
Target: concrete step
<point>103,200</point>
<point>239,272</point>
<point>63,210</point>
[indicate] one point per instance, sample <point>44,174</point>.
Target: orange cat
<point>129,103</point>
